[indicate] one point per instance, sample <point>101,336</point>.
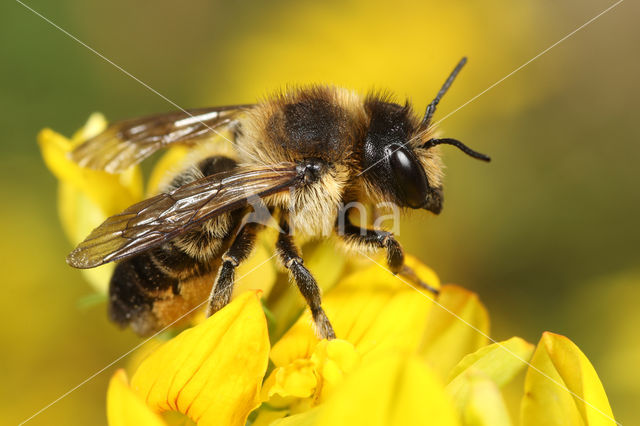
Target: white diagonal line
<point>505,77</point>
<point>91,377</point>
<point>529,61</point>
<point>482,333</point>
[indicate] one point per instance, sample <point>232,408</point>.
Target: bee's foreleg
<point>239,251</point>
<point>364,238</point>
<point>290,258</point>
<point>373,239</point>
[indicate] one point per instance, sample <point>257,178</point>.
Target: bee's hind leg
<point>290,257</point>
<point>374,239</point>
<point>239,251</point>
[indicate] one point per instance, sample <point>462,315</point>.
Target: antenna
<point>431,108</point>
<point>462,147</point>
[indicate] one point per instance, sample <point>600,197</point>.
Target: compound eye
<point>409,176</point>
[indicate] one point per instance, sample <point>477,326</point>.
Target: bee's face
<point>395,163</point>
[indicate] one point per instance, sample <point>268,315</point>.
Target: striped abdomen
<point>156,288</point>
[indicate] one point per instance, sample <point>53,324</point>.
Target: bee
<point>306,153</point>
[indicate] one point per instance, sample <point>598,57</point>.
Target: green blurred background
<point>547,234</point>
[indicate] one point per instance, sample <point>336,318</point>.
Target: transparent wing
<point>156,220</point>
<point>128,142</point>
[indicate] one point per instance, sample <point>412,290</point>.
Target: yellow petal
<point>307,418</point>
<point>476,380</point>
<point>452,329</point>
<point>180,157</point>
<point>125,407</point>
<point>480,402</point>
<point>296,379</point>
<point>500,362</point>
<point>388,390</point>
<point>325,263</point>
<point>86,197</point>
<point>268,416</point>
<point>79,216</point>
<point>334,359</point>
<point>262,258</point>
<point>316,376</point>
<point>93,127</point>
<point>370,308</point>
<point>169,164</point>
<point>562,387</point>
<point>211,372</point>
<point>112,193</point>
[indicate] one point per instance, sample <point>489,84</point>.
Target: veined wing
<point>156,220</point>
<point>128,142</point>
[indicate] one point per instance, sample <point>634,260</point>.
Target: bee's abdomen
<point>156,288</point>
<point>134,286</point>
<point>140,286</point>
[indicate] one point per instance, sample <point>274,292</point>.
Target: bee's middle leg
<point>290,257</point>
<point>375,239</point>
<point>239,251</point>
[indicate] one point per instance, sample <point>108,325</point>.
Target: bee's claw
<point>409,273</point>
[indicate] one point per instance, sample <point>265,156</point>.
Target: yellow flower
<point>86,197</point>
<point>562,387</point>
<point>125,407</point>
<point>457,326</point>
<point>212,372</point>
<point>442,346</point>
<point>374,314</point>
<point>392,389</point>
<point>325,368</point>
<point>382,369</point>
<point>401,356</point>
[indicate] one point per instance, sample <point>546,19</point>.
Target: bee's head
<point>400,158</point>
